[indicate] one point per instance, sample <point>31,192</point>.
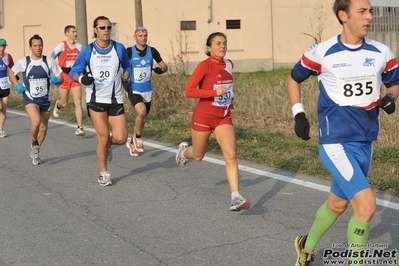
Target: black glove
<point>302,126</point>
<point>86,79</point>
<point>158,70</point>
<point>126,86</point>
<point>388,104</point>
<point>66,69</point>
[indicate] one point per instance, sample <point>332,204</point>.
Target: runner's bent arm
<point>80,63</point>
<point>192,90</point>
<point>157,57</point>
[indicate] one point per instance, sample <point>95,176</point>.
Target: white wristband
<point>297,108</point>
<point>80,79</point>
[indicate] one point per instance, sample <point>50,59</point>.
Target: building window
<point>188,25</point>
<point>233,24</point>
<point>385,19</point>
<point>234,34</point>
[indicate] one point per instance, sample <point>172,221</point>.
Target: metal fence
<point>385,19</point>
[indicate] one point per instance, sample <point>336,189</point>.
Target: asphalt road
<point>156,213</point>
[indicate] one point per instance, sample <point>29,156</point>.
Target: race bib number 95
<point>38,87</point>
<point>357,90</point>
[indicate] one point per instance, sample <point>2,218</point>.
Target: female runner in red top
<point>212,83</point>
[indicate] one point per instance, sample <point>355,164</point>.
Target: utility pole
<point>81,21</point>
<point>81,28</point>
<point>138,13</point>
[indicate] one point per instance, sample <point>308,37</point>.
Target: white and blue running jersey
<point>35,75</point>
<point>5,62</point>
<point>350,83</point>
<point>106,67</point>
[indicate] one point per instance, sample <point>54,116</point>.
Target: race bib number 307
<point>357,90</point>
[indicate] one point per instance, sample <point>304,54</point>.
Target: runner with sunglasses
<point>101,66</point>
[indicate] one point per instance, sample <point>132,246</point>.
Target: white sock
<point>234,194</point>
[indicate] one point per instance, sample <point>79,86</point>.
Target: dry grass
<point>264,125</point>
<point>263,103</point>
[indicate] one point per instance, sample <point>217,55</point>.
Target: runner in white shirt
<point>38,71</point>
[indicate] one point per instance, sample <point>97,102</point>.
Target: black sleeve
<point>129,52</point>
<point>156,55</point>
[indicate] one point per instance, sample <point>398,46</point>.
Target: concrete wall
<point>274,33</point>
<point>389,38</point>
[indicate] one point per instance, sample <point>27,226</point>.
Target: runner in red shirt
<point>212,83</point>
<point>67,51</point>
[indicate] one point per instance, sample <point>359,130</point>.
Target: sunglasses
<point>104,27</point>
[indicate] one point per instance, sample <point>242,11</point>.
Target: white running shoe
<point>79,132</point>
<point>138,144</point>
<point>180,159</point>
<point>34,154</point>
<point>2,134</point>
<point>238,203</point>
<point>132,149</point>
<point>104,179</point>
<point>56,111</point>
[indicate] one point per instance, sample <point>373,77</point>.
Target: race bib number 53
<point>357,90</point>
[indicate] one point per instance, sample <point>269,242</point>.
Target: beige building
<point>262,34</point>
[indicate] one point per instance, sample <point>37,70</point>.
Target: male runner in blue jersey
<point>141,58</point>
<point>351,70</point>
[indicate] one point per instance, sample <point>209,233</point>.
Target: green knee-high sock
<point>358,234</point>
<point>324,220</point>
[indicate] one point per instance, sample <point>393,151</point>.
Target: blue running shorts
<point>42,102</point>
<point>349,164</point>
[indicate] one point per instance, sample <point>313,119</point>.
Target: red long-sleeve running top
<point>207,76</point>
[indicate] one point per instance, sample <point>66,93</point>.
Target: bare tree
<point>317,23</point>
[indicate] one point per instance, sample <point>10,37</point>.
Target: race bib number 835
<point>357,90</point>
